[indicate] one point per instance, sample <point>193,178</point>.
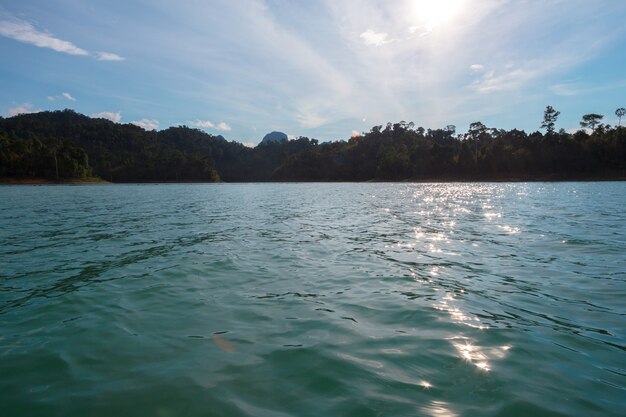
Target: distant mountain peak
<point>278,137</point>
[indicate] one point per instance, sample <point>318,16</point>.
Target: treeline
<point>398,152</point>
<point>64,144</point>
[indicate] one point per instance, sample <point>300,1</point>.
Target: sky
<point>324,69</point>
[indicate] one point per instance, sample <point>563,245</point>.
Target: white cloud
<point>25,32</point>
<point>114,117</point>
<point>419,31</point>
<point>203,123</point>
<point>207,124</point>
<point>68,96</point>
<point>372,38</point>
<point>146,124</point>
<point>477,67</point>
<point>108,56</point>
<point>224,127</point>
<point>21,109</point>
<point>355,134</point>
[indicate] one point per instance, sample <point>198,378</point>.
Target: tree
<point>549,119</point>
<point>476,130</point>
<point>620,113</point>
<point>591,121</point>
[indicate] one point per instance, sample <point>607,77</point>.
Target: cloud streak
<point>62,96</point>
<point>203,124</point>
<point>506,81</point>
<point>223,127</point>
<point>372,38</point>
<point>207,124</point>
<point>146,124</point>
<point>108,56</point>
<point>68,96</point>
<point>25,108</point>
<point>112,116</point>
<point>25,32</point>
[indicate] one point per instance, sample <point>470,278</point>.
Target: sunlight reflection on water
<point>438,409</point>
<point>456,314</point>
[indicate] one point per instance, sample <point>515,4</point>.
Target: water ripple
<point>313,299</point>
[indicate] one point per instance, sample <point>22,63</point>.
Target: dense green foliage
<point>65,144</point>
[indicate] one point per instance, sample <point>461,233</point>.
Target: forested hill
<point>65,144</point>
<point>35,145</point>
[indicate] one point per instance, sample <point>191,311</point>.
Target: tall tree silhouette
<point>620,113</point>
<point>591,121</point>
<point>549,119</point>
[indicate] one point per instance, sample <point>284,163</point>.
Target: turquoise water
<point>313,300</point>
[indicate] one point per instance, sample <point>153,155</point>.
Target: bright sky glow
<point>324,69</point>
<point>433,13</point>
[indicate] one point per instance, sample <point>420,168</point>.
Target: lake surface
<point>282,300</point>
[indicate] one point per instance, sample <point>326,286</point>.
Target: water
<point>313,300</point>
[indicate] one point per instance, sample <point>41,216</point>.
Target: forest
<point>61,145</point>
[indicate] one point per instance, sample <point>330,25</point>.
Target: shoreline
<point>43,181</point>
<point>98,181</point>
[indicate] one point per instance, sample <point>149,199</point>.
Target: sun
<point>433,13</point>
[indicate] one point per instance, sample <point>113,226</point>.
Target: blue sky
<point>322,69</point>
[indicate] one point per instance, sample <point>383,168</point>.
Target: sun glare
<point>433,13</point>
